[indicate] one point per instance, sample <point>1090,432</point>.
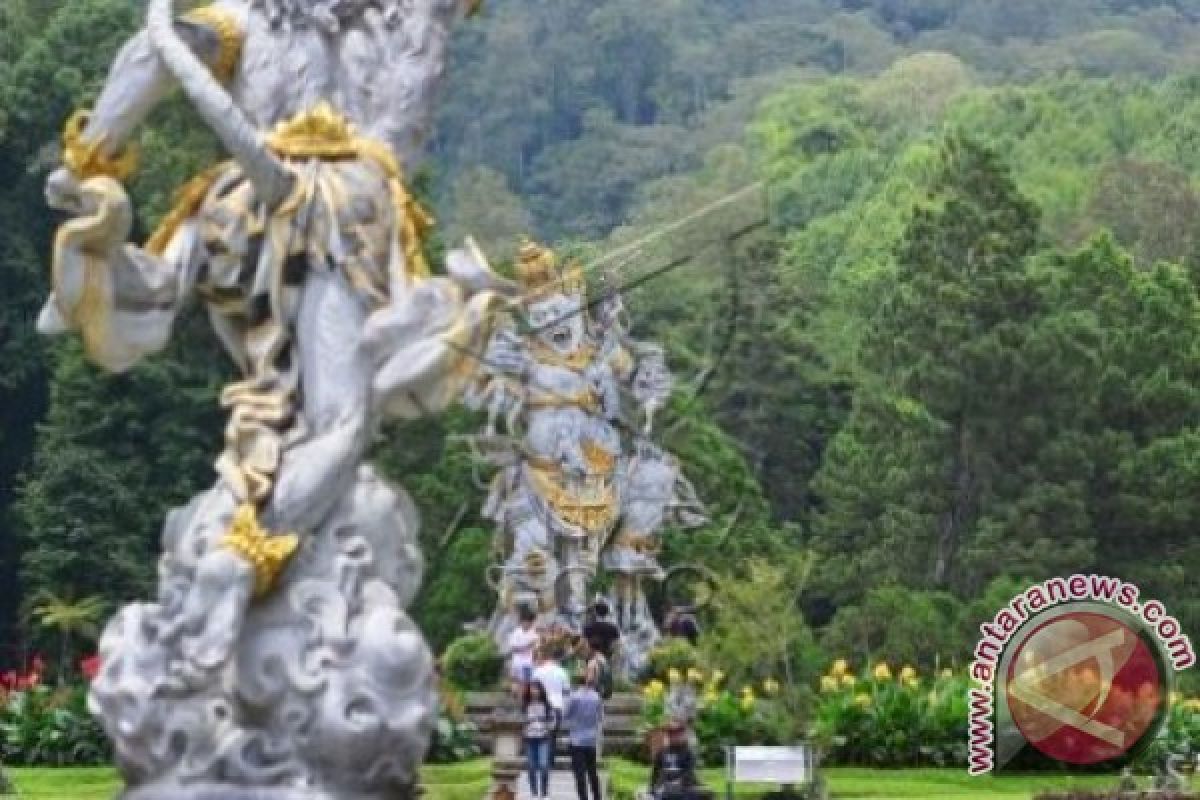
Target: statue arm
<point>426,343</point>
<point>121,299</point>
<point>138,80</point>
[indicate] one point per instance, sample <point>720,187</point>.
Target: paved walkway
<point>562,785</point>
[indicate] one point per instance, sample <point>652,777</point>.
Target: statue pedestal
<point>507,759</point>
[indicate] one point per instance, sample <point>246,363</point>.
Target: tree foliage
<point>963,354</point>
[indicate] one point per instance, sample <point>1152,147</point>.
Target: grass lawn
<point>470,780</point>
<point>877,784</point>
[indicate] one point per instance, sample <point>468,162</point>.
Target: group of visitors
<point>553,700</point>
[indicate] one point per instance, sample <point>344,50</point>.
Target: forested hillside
<point>966,351</point>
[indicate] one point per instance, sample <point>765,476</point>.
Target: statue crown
<point>540,273</point>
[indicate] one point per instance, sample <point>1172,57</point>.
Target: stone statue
<point>578,489</point>
<point>277,660</point>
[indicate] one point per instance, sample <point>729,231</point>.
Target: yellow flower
<point>747,702</point>
<point>947,673</point>
<point>1192,704</point>
<point>747,690</point>
<point>882,672</point>
<point>862,700</point>
<point>1174,697</point>
<point>828,683</point>
<point>653,690</point>
<point>908,674</point>
<point>839,668</point>
<point>710,697</point>
<point>695,676</point>
<point>771,687</point>
<point>717,677</point>
<point>674,676</point>
<point>849,680</point>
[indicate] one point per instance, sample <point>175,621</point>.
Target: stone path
<point>562,785</point>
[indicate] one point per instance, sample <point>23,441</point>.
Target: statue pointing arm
<point>123,299</point>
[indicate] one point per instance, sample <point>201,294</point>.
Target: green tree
<point>898,625</point>
<point>757,631</point>
<point>914,471</point>
<point>69,619</point>
<point>483,207</point>
<point>51,55</point>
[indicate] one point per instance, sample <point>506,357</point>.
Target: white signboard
<point>772,764</point>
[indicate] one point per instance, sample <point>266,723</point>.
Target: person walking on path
<point>521,644</point>
<point>597,670</point>
<point>540,722</point>
<point>554,679</point>
<point>584,720</point>
<point>600,631</point>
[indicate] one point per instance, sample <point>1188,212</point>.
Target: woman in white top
<point>521,645</point>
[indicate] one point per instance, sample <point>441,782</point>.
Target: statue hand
<point>506,353</point>
<point>64,192</point>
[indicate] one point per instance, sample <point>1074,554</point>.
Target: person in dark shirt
<point>601,632</point>
<point>681,623</point>
<point>674,774</point>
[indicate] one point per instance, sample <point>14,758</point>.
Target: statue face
<point>558,322</point>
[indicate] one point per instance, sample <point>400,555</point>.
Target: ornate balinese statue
<point>580,488</point>
<point>277,660</point>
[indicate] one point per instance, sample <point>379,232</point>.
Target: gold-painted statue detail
<point>581,488</point>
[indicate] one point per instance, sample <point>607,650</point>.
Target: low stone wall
<point>622,716</point>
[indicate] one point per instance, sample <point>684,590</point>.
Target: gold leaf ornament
<point>87,159</point>
<point>268,554</point>
<point>229,35</point>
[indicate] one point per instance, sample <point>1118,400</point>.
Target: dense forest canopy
<point>965,353</point>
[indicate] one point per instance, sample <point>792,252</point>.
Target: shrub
<point>473,662</point>
<point>722,716</point>
<point>1180,735</point>
<point>672,654</point>
<point>892,722</point>
<point>453,741</point>
<point>41,727</point>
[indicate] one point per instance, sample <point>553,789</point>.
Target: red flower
<point>90,666</point>
<point>9,680</point>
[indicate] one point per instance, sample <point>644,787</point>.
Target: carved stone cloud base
<point>326,694</point>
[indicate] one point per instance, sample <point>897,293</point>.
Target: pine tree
<point>911,476</point>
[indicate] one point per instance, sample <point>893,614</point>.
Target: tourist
<point>674,774</point>
<point>540,723</point>
<point>584,719</point>
<point>600,631</point>
<point>522,643</point>
<point>681,624</point>
<point>597,670</point>
<point>554,679</point>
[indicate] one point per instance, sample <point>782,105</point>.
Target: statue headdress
<point>540,273</point>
